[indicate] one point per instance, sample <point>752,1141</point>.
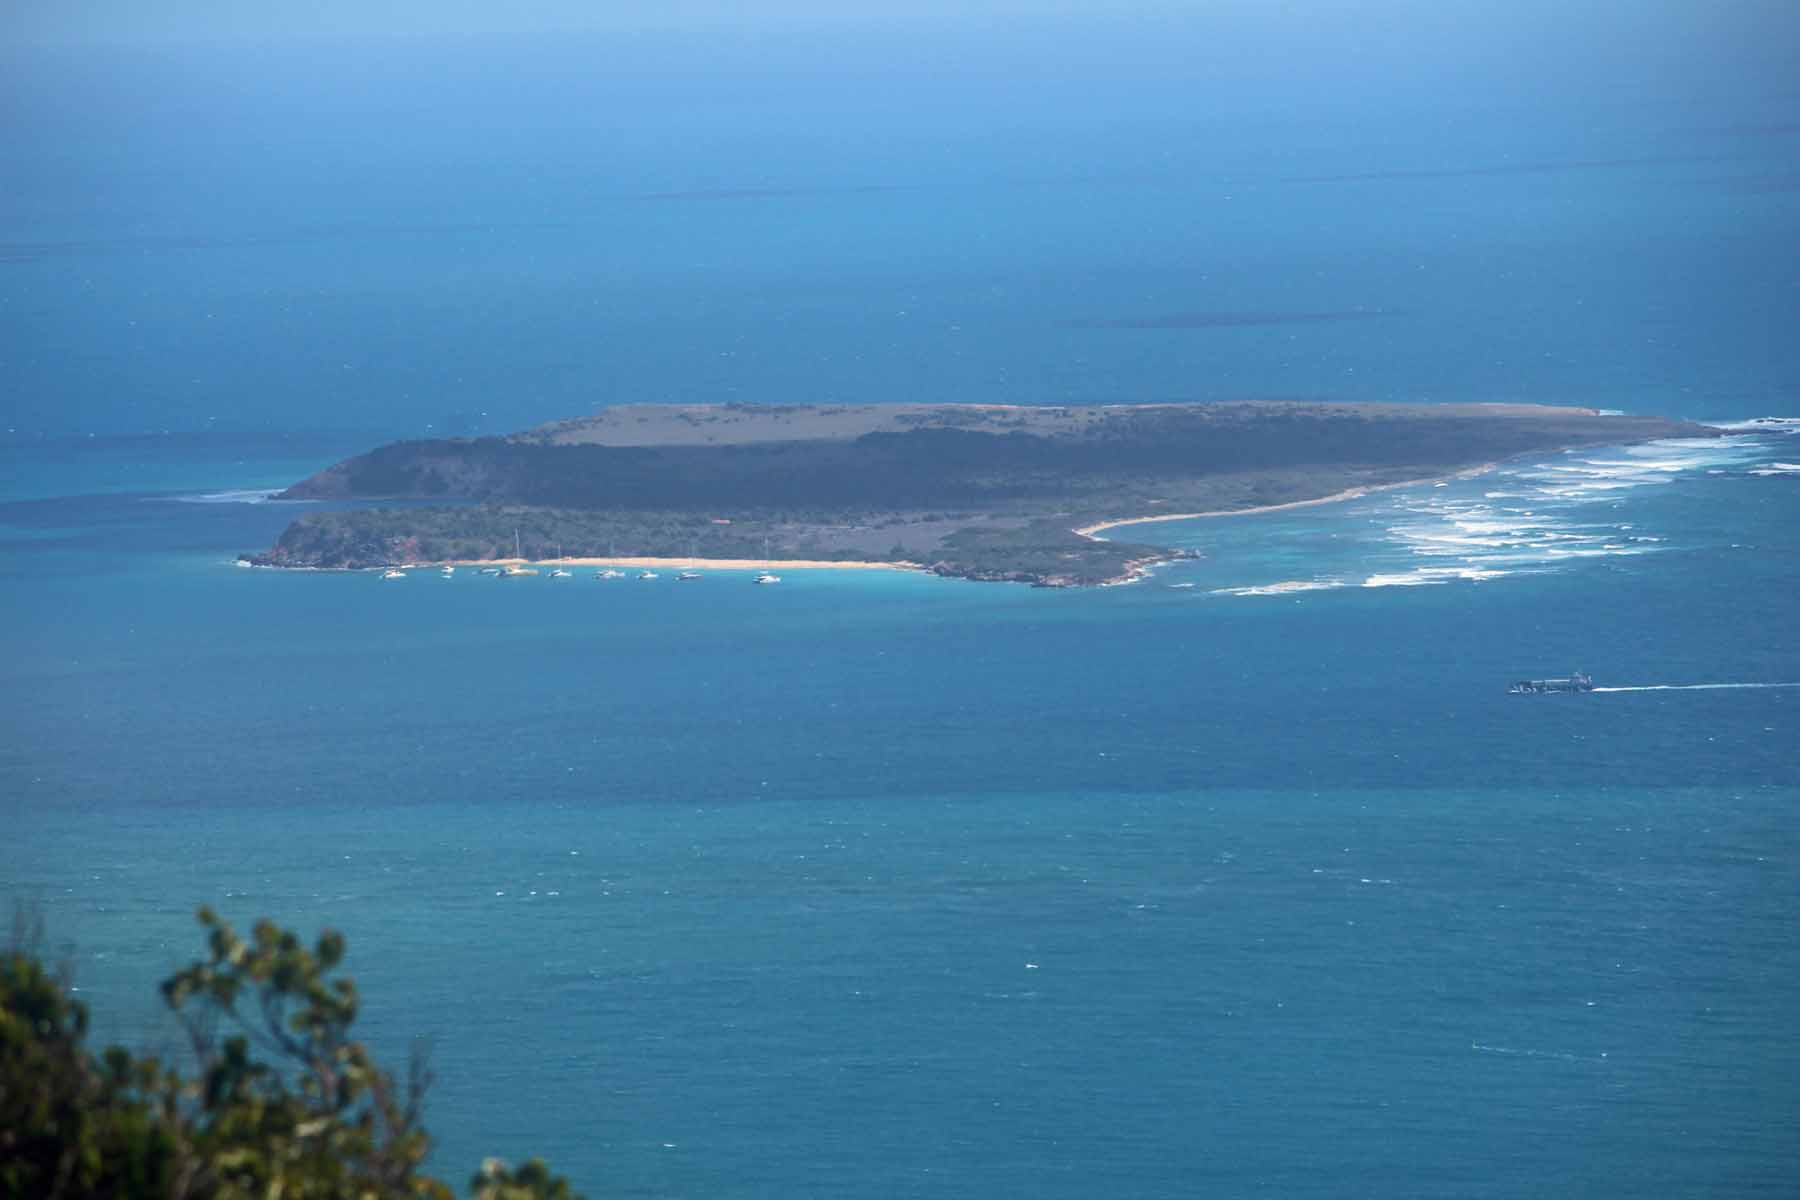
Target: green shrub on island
<point>976,491</point>
<point>281,1101</point>
<point>1044,551</point>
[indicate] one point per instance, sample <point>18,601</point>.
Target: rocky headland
<point>987,492</point>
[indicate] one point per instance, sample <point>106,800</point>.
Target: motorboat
<point>765,577</point>
<point>1578,682</point>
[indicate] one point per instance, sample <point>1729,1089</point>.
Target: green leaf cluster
<point>281,1103</point>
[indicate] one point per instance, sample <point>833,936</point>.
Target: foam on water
<point>237,496</point>
<point>1430,575</point>
<point>767,822</point>
<point>1534,517</point>
<point>1284,588</point>
<point>1783,425</point>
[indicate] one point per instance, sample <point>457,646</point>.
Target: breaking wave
<point>1760,425</point>
<point>1282,589</point>
<point>1534,517</point>
<point>1429,575</point>
<point>239,496</point>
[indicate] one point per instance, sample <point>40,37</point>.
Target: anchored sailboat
<point>518,568</point>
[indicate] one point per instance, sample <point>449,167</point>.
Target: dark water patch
<point>134,523</point>
<point>1529,168</point>
<point>206,443</point>
<point>1766,183</point>
<point>1753,129</point>
<point>21,252</point>
<point>1228,319</point>
<point>126,523</point>
<point>779,193</point>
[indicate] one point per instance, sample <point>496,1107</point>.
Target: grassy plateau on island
<point>989,492</point>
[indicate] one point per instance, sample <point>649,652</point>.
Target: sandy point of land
<point>692,564</point>
<point>1335,498</point>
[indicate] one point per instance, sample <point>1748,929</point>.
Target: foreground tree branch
<point>316,1119</point>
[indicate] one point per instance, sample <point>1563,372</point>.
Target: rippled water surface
<point>877,884</point>
<point>1246,880</point>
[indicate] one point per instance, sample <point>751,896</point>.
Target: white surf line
<point>1692,687</point>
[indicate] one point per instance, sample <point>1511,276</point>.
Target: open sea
<point>1245,880</point>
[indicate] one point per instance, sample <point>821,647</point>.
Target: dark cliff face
<point>944,466</point>
<point>416,470</point>
<point>1016,494</point>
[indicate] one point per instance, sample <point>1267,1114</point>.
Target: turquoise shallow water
<point>1248,880</point>
<point>876,884</point>
<point>1426,991</point>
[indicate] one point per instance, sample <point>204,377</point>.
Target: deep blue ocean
<point>1245,880</point>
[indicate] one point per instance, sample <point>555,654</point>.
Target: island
<point>1032,494</point>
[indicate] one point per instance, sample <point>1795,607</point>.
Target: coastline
<point>1355,493</point>
<point>674,564</point>
<point>687,564</point>
<point>1136,570</point>
<point>1107,467</point>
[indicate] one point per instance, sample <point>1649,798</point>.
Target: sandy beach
<point>689,564</point>
<point>1335,498</point>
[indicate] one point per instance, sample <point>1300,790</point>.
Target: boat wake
<point>1515,1052</point>
<point>1692,687</point>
